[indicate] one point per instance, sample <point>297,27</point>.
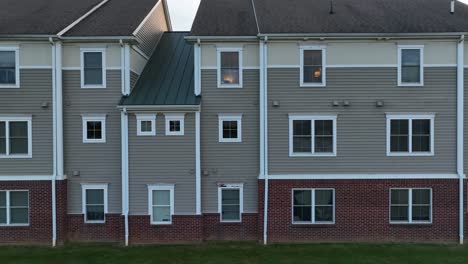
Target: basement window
<point>410,206</point>
<point>14,208</point>
<point>313,206</point>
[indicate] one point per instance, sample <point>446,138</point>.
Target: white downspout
<point>124,135</point>
<point>59,109</point>
<point>197,68</point>
<point>54,143</point>
<point>264,131</point>
<point>460,117</point>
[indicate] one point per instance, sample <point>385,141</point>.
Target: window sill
<point>9,87</point>
<point>14,225</point>
<point>311,155</point>
<point>410,85</point>
<point>15,156</point>
<point>231,223</point>
<point>95,223</point>
<point>410,224</point>
<point>156,224</point>
<point>308,85</point>
<point>313,225</point>
<point>93,87</point>
<point>407,154</point>
<point>229,87</point>
<point>94,142</point>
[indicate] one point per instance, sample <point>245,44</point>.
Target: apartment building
<point>274,121</point>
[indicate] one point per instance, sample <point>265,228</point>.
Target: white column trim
<point>124,141</point>
<point>197,164</point>
<point>460,117</point>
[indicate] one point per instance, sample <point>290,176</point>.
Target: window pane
<point>92,76</point>
<point>230,76</point>
<point>93,68</point>
<point>229,67</point>
<point>2,215</point>
<point>162,214</point>
<point>410,62</point>
<point>2,199</point>
<point>323,136</point>
<point>399,135</point>
<point>230,129</point>
<point>18,198</point>
<point>230,212</point>
<point>95,212</point>
<point>323,197</point>
<point>302,197</point>
<point>146,126</point>
<point>421,196</point>
<point>2,138</point>
<point>18,145</point>
<point>174,125</point>
<point>399,197</point>
<point>7,67</point>
<point>94,129</point>
<point>230,197</point>
<point>323,213</point>
<point>421,135</point>
<point>18,129</point>
<point>19,137</point>
<point>421,213</point>
<point>302,213</point>
<point>161,197</point>
<point>95,197</point>
<point>312,66</point>
<point>302,130</point>
<point>19,216</point>
<point>399,213</point>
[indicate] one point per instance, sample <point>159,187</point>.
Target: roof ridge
<point>83,17</point>
<point>255,15</point>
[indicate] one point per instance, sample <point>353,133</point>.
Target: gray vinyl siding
<point>35,89</point>
<point>150,33</point>
<point>133,79</point>
<point>361,127</point>
<point>162,159</point>
<point>100,162</point>
<point>230,162</point>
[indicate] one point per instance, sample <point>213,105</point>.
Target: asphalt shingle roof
<point>49,17</point>
<point>168,77</point>
<point>40,17</point>
<point>115,18</point>
<point>350,16</point>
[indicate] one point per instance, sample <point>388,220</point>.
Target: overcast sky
<point>183,11</point>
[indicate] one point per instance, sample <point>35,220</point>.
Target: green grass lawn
<point>224,253</point>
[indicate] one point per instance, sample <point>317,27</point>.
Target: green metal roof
<point>168,77</point>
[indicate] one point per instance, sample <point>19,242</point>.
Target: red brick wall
<point>216,230</point>
<point>362,212</point>
<point>40,214</point>
<point>184,228</point>
<point>61,192</point>
<point>111,231</point>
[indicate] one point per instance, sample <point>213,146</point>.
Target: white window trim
<point>421,66</point>
<point>146,118</point>
<point>230,117</point>
<point>160,187</point>
<point>8,209</point>
<point>94,118</point>
<point>312,118</point>
<point>17,67</point>
<point>231,186</point>
<point>7,120</point>
<point>324,65</point>
<point>410,207</point>
<point>104,68</point>
<point>312,222</point>
<point>410,118</point>
<point>238,50</point>
<point>92,186</point>
<point>175,117</point>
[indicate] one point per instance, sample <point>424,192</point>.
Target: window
<point>410,65</point>
<point>14,208</point>
<point>313,66</point>
<point>174,124</point>
<point>410,205</point>
<point>230,202</point>
<point>410,135</point>
<point>230,127</point>
<point>313,206</point>
<point>146,124</point>
<point>94,129</point>
<point>94,202</point>
<point>161,203</point>
<point>93,69</point>
<point>312,135</point>
<point>15,137</point>
<point>230,68</point>
<point>9,67</point>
